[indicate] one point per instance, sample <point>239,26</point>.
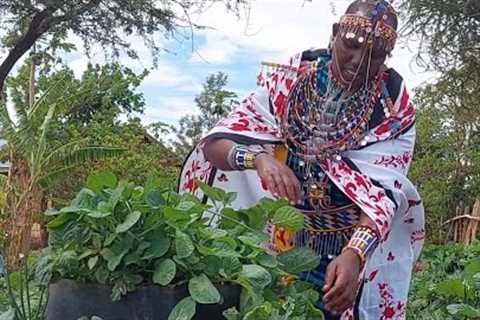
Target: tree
<point>214,102</point>
<point>35,161</point>
<point>449,32</point>
<point>104,111</point>
<point>95,21</point>
<point>446,165</point>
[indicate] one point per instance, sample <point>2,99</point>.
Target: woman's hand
<point>341,282</point>
<point>280,179</point>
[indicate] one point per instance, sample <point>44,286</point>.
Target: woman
<point>332,132</point>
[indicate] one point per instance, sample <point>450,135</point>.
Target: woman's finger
<point>290,189</point>
<point>338,287</point>
<point>271,185</point>
<point>295,186</point>
<point>280,185</point>
<point>329,277</point>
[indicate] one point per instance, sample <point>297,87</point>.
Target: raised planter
<point>70,300</point>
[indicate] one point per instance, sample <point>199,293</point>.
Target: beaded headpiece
<point>369,28</point>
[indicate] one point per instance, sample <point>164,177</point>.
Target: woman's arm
<point>216,152</point>
<point>278,177</point>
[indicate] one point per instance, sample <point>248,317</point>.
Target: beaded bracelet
<point>364,238</point>
<point>241,158</point>
<point>244,159</point>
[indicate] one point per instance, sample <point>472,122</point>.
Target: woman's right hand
<point>279,178</point>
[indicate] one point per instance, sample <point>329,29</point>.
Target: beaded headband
<point>352,25</point>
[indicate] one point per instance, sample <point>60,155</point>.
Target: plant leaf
<point>298,260</point>
<point>451,288</point>
<point>288,218</point>
<point>97,181</point>
<point>472,268</point>
<point>184,310</point>
<point>267,260</point>
<point>256,275</point>
<point>59,221</point>
<point>183,244</point>
<point>92,262</point>
<point>154,198</point>
<point>8,315</point>
<point>129,222</point>
<point>463,310</point>
<point>213,193</point>
<point>254,240</point>
<point>159,245</point>
<point>231,314</point>
<point>165,272</point>
<point>185,205</point>
<point>99,214</point>
<point>203,291</point>
<point>112,258</point>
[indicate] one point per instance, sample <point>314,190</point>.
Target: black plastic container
<point>70,300</point>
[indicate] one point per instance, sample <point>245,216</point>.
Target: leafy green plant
<point>449,286</point>
<point>26,292</point>
<point>122,235</point>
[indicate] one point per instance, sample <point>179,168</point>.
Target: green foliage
<point>91,116</point>
<point>29,137</point>
<point>23,293</point>
<point>130,235</point>
<point>446,166</point>
<point>448,287</point>
<point>449,32</point>
<point>214,102</point>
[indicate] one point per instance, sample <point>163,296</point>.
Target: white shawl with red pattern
<point>365,178</point>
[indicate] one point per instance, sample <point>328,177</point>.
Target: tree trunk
<point>24,202</point>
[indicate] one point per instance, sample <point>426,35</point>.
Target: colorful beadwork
<point>321,121</point>
<point>357,26</point>
<point>332,221</point>
<point>362,241</point>
<point>241,158</point>
<point>244,159</point>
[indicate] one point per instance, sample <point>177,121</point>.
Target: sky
<point>271,30</point>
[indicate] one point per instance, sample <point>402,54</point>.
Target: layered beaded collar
<point>320,121</point>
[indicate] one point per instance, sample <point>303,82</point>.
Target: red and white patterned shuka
<point>381,166</point>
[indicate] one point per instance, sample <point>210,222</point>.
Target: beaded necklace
<point>320,121</point>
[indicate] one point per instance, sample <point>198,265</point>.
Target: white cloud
<point>170,75</point>
<point>272,29</point>
<point>218,49</point>
<point>169,109</point>
<point>166,74</point>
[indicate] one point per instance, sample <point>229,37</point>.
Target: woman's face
<point>355,60</point>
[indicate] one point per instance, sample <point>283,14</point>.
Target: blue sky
<point>271,30</point>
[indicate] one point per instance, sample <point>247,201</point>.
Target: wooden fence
<point>464,225</point>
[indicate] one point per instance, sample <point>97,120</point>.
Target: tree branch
<point>37,27</point>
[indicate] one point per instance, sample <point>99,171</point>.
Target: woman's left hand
<point>341,282</point>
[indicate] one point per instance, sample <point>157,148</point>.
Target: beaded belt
<point>329,215</point>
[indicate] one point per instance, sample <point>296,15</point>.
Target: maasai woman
<point>333,132</point>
